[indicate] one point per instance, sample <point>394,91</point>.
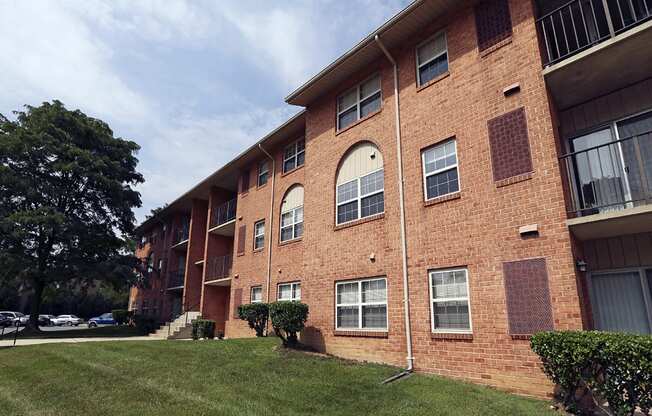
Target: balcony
<point>176,279</point>
<point>180,237</point>
<point>222,219</point>
<point>586,44</point>
<point>611,185</point>
<point>218,271</point>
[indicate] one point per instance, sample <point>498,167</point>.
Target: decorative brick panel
<point>510,146</point>
<point>242,236</point>
<point>237,300</point>
<point>244,182</point>
<point>493,23</point>
<point>528,296</point>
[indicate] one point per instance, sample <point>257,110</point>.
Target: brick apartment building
<point>468,174</point>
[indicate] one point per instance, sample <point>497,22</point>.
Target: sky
<point>193,82</point>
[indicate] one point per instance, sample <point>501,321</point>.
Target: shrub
<point>610,366</point>
<point>203,328</point>
<point>256,315</point>
<point>120,316</point>
<point>288,319</point>
<point>145,325</point>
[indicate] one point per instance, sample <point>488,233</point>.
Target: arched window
<point>292,214</point>
<point>360,184</point>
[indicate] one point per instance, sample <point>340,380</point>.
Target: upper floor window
<point>440,176</point>
<point>360,184</point>
<point>432,58</point>
<point>358,102</point>
<point>256,294</point>
<point>292,214</point>
<point>263,172</point>
<point>289,291</point>
<point>294,155</point>
<point>259,235</point>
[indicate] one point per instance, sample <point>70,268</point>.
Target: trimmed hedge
<point>203,328</point>
<point>288,319</point>
<point>256,315</point>
<point>145,325</point>
<point>611,366</point>
<point>120,316</point>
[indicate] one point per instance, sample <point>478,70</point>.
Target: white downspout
<point>406,297</point>
<point>271,222</point>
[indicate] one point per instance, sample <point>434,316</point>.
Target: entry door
<point>621,301</point>
<point>176,307</point>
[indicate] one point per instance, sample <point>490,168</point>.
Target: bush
<point>256,315</point>
<point>288,319</point>
<point>145,325</point>
<point>120,316</point>
<point>610,366</point>
<point>203,328</point>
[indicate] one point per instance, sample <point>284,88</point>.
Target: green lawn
<point>104,331</point>
<point>234,377</point>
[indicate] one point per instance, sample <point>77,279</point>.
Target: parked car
<point>17,318</point>
<point>43,320</point>
<point>5,321</point>
<point>104,319</point>
<point>68,320</point>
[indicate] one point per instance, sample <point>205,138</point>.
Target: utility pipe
<point>406,298</point>
<point>271,222</point>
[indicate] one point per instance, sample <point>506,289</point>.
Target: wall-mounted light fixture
<point>581,265</point>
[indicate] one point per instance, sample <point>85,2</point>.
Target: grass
<point>233,377</point>
<point>99,332</point>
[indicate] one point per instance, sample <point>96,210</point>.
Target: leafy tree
<point>66,200</point>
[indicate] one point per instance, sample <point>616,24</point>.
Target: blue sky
<point>193,82</point>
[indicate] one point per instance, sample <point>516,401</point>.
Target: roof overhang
<point>407,23</point>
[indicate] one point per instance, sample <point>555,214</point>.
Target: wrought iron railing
<point>580,24</point>
<point>611,176</point>
<point>181,234</point>
<point>176,278</point>
<point>223,213</point>
<point>218,268</point>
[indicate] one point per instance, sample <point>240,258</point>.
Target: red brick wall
<point>196,244</point>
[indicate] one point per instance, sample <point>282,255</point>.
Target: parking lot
<point>11,329</point>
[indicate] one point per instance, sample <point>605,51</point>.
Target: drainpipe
<point>406,298</point>
<point>271,222</point>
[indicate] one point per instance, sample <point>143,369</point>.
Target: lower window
<point>256,294</point>
<point>361,305</point>
<point>449,301</point>
<point>289,291</point>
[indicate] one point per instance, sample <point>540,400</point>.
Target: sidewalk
<point>36,341</point>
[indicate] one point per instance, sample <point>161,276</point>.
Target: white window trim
<point>416,55</point>
<point>359,198</point>
<point>257,234</point>
<point>438,171</point>
<point>432,300</point>
<point>293,225</point>
<point>293,286</point>
<point>251,294</point>
<point>359,99</point>
<point>360,304</point>
<point>262,172</point>
<point>295,154</point>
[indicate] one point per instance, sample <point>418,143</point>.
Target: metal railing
<point>176,278</point>
<point>181,234</point>
<point>223,213</point>
<point>580,24</point>
<point>218,268</point>
<point>611,176</point>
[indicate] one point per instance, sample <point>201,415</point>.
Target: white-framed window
<point>361,197</point>
<point>259,234</point>
<point>294,155</point>
<point>256,294</point>
<point>289,291</point>
<point>361,305</point>
<point>292,214</point>
<point>432,58</point>
<point>358,102</point>
<point>440,172</point>
<point>160,265</point>
<point>449,300</point>
<point>263,172</point>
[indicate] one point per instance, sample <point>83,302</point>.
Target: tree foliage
<point>66,199</point>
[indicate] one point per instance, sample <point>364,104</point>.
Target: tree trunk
<point>36,306</point>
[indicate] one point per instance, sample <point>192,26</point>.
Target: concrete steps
<point>177,329</point>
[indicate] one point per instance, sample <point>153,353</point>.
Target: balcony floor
<point>227,229</point>
<point>611,224</point>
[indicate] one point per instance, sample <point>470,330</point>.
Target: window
<point>259,235</point>
<point>440,174</point>
<point>256,294</point>
<point>449,301</point>
<point>361,305</point>
<point>294,155</point>
<point>292,214</point>
<point>360,184</point>
<point>160,265</point>
<point>358,102</point>
<point>432,58</point>
<point>289,291</point>
<point>263,172</point>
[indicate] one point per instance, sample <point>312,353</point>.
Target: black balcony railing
<point>176,278</point>
<point>223,213</point>
<point>180,235</point>
<point>580,24</point>
<point>611,176</point>
<point>219,268</point>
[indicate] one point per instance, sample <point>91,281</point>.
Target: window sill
<point>262,186</point>
<point>452,336</point>
<point>258,250</point>
<point>288,242</point>
<point>442,199</point>
<point>433,81</point>
<point>495,47</point>
<point>361,334</point>
<point>363,119</point>
<point>360,221</point>
<point>292,170</point>
<point>521,337</point>
<point>514,179</point>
